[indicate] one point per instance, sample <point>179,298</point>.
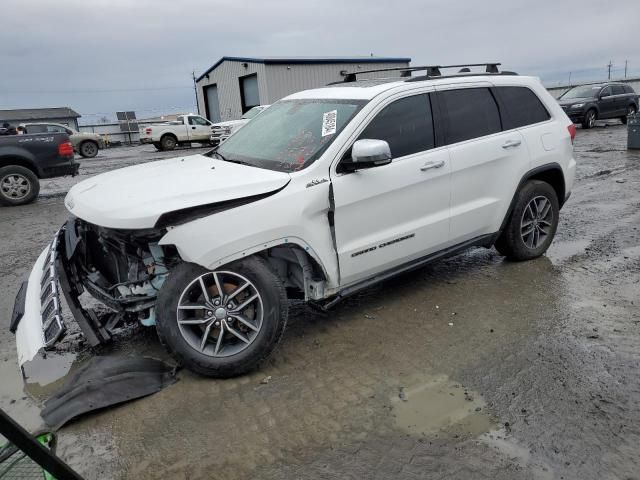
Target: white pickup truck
<point>186,129</point>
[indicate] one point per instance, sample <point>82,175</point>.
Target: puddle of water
<point>560,251</point>
<point>500,441</point>
<point>440,405</point>
<point>47,373</point>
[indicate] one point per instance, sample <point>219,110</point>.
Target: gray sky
<point>100,56</point>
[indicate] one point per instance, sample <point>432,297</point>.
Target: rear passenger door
<point>607,103</point>
<point>486,162</point>
<point>620,96</point>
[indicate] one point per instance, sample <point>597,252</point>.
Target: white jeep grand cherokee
<point>325,193</point>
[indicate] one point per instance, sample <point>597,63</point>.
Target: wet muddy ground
<point>470,368</point>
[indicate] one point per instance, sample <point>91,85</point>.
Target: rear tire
<point>532,223</point>
<point>168,142</point>
<point>88,149</point>
<point>212,341</point>
<point>631,109</point>
<point>18,185</point>
<point>589,120</point>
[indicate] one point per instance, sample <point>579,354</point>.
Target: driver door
<point>199,129</point>
<point>389,215</point>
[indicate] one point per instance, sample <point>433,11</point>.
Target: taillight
<point>65,149</point>
<point>572,131</point>
<point>147,131</point>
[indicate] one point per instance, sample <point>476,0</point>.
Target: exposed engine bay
<point>124,269</point>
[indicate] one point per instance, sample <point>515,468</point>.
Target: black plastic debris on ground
<point>105,381</point>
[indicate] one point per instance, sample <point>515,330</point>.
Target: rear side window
<point>520,107</point>
<point>469,113</point>
<point>406,125</point>
<point>618,89</point>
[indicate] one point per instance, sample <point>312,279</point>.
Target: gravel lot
<point>470,368</point>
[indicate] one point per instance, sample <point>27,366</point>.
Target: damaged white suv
<point>324,194</point>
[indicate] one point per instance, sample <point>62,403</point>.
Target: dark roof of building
<point>305,61</point>
<point>21,114</point>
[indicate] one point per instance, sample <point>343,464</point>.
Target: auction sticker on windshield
<point>329,122</point>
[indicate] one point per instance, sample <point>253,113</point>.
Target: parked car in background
<point>24,159</point>
<point>86,144</point>
<point>184,130</point>
<point>223,130</point>
<point>327,192</point>
<point>599,101</point>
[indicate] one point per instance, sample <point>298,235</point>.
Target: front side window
<point>289,135</point>
<point>406,125</point>
<point>197,121</point>
<point>606,92</point>
<point>469,113</point>
<point>521,107</point>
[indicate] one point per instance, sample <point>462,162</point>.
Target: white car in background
<point>223,130</point>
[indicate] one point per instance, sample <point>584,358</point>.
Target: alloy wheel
<point>220,314</point>
<point>536,222</point>
<point>15,186</point>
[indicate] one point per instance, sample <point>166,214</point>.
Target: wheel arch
<point>550,173</point>
<point>19,161</point>
<point>292,259</point>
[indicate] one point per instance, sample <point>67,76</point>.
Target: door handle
<point>193,128</point>
<point>430,165</point>
<point>511,143</point>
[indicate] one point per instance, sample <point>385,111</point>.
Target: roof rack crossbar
<point>432,70</point>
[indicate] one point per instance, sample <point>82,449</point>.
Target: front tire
<point>18,185</point>
<point>589,120</point>
<point>221,323</point>
<point>631,109</point>
<point>88,149</point>
<point>532,224</point>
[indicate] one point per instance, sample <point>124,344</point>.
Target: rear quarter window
<point>520,107</point>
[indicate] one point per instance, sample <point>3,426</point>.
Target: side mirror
<point>367,153</point>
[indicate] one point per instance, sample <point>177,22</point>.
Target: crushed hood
<point>135,197</point>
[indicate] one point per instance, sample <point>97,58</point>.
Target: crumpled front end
<point>120,270</point>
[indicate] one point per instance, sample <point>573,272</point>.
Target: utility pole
<point>195,90</point>
<point>609,67</point>
<point>570,79</point>
<point>625,68</point>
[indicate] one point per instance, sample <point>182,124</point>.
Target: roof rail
<point>432,71</point>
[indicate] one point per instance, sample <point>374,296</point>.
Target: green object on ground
<point>16,465</point>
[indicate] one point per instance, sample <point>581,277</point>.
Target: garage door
<point>249,92</point>
<point>211,99</point>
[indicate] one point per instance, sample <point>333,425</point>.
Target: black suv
<point>587,103</point>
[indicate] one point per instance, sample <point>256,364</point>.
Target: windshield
<point>291,134</point>
<point>586,91</point>
<point>252,113</point>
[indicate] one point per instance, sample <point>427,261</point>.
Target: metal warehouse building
<point>235,84</point>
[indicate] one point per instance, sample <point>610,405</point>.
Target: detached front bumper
<point>37,313</point>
